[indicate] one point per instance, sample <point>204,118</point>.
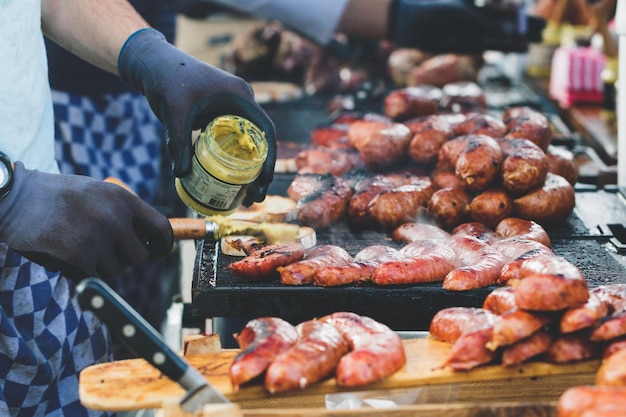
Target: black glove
<point>458,26</point>
<point>186,94</point>
<point>80,226</point>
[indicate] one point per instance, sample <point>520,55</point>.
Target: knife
<point>140,337</point>
<point>215,227</point>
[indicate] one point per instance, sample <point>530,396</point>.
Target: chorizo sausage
<point>524,229</point>
<point>303,272</point>
<point>376,351</point>
<point>450,323</point>
<point>449,206</point>
<point>402,204</point>
<point>491,206</point>
<point>583,400</point>
<point>551,203</point>
<point>585,316</point>
<point>515,325</point>
<point>404,103</point>
<point>325,206</point>
<point>411,231</point>
<point>478,164</point>
<point>261,264</point>
<point>525,165</point>
<point>527,348</point>
<point>261,340</point>
<point>312,358</point>
<point>527,123</point>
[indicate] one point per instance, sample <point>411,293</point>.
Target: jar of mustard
<point>228,155</point>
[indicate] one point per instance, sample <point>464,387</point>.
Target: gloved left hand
<point>186,94</point>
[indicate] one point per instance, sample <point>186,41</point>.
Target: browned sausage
<point>359,213</point>
<point>612,372</point>
<point>449,206</point>
<point>525,165</point>
<point>527,348</point>
<point>445,178</point>
<point>500,300</point>
<point>527,123</point>
<point>428,138</point>
<point>426,261</point>
<point>413,101</point>
<point>613,346</point>
<point>515,325</point>
<point>562,162</point>
<point>411,231</point>
<point>333,136</point>
<point>478,164</point>
<point>491,206</point>
<point>303,272</point>
<point>610,327</point>
<point>513,248</point>
<point>525,229</point>
<point>614,295</point>
<point>548,292</point>
<point>261,340</point>
<point>470,351</point>
<point>312,358</point>
<point>305,184</point>
<point>323,160</point>
<point>402,204</point>
<point>480,124</point>
<point>551,203</point>
<point>443,69</point>
<point>482,264</point>
<point>584,400</point>
<point>572,347</point>
<point>450,323</point>
<point>450,151</point>
<point>382,147</point>
<point>512,271</point>
<point>585,316</point>
<point>376,351</point>
<point>358,271</point>
<point>261,264</point>
<point>477,230</point>
<point>463,97</point>
<point>326,206</point>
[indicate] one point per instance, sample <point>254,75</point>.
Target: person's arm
<point>95,30</point>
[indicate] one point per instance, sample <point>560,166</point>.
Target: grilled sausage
<point>321,256</point>
<point>261,264</point>
<point>480,124</point>
<point>429,135</point>
<point>551,203</point>
<point>380,144</point>
<point>411,231</point>
<point>613,346</point>
<point>326,206</point>
<point>562,162</point>
<point>527,348</point>
<point>612,372</point>
<point>477,230</point>
<point>402,204</point>
<point>592,401</point>
<point>361,270</point>
<point>611,327</point>
<point>478,164</point>
<point>515,325</point>
<point>376,351</point>
<point>333,136</point>
<point>261,340</point>
<point>450,323</point>
<point>470,351</point>
<point>463,97</point>
<point>614,295</point>
<point>513,248</point>
<point>527,123</point>
<point>359,213</point>
<point>491,206</point>
<point>450,151</point>
<point>449,206</point>
<point>482,264</point>
<point>500,300</point>
<point>524,229</point>
<point>573,347</point>
<point>585,316</point>
<point>443,69</point>
<point>426,261</point>
<point>525,165</point>
<point>404,103</point>
<point>323,160</point>
<point>512,271</point>
<point>305,184</point>
<point>312,358</point>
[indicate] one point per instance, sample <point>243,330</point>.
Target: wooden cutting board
<point>134,384</point>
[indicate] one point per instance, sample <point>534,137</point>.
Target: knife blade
<point>140,337</point>
<point>216,227</point>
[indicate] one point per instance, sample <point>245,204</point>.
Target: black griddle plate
<point>405,307</point>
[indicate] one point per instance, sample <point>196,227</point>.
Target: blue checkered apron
<point>45,341</point>
<point>109,136</point>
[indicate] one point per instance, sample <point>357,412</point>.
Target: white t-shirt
<point>316,19</point>
<point>26,115</point>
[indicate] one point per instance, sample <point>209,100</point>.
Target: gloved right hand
<point>458,26</point>
<point>80,226</point>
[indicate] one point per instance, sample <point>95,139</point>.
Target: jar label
<point>208,190</point>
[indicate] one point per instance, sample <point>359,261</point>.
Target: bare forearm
<point>95,30</point>
<point>365,18</point>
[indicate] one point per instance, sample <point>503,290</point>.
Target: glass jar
<point>228,155</point>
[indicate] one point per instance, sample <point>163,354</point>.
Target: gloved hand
<point>186,94</point>
<point>458,26</point>
<point>80,226</point>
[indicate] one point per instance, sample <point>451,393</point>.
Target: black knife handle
<point>135,332</point>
